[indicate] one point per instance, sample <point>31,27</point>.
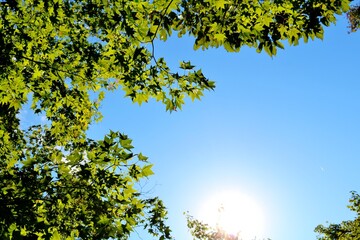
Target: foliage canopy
<point>62,56</point>
<point>345,230</point>
<point>353,16</point>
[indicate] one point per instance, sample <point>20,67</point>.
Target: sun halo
<point>234,213</point>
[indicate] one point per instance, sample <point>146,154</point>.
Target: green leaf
<point>55,236</point>
<point>126,143</point>
<point>23,231</point>
<point>147,171</point>
<point>220,37</point>
<point>142,157</point>
<point>186,65</point>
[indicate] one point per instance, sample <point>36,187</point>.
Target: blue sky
<point>283,130</point>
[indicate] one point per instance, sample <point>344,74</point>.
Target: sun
<point>235,213</point>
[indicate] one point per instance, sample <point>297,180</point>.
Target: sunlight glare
<point>235,213</point>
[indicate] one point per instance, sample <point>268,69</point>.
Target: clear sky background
<point>284,131</point>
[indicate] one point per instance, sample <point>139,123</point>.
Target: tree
<point>346,229</point>
<point>84,190</point>
<point>353,16</point>
<point>202,231</point>
<point>62,56</point>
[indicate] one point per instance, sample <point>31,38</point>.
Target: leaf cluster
<point>353,16</point>
<point>85,190</point>
<point>346,230</point>
<point>264,25</point>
